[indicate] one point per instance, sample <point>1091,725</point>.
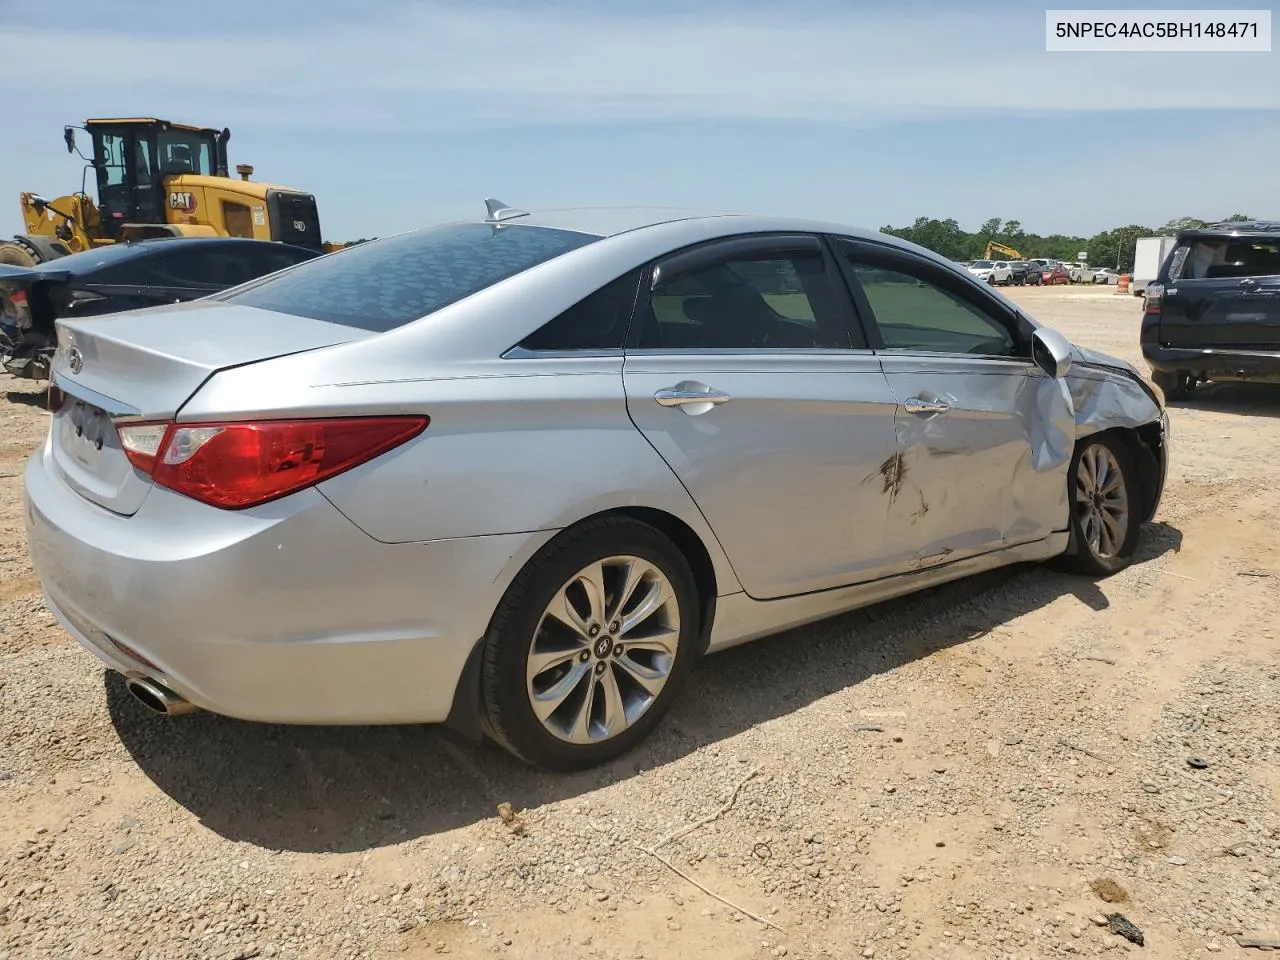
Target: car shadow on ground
<point>29,399</point>
<point>1242,399</point>
<point>343,789</point>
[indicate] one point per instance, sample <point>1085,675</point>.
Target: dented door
<point>975,474</point>
<point>983,436</point>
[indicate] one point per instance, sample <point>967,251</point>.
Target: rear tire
<point>1176,386</point>
<point>1104,495</point>
<point>590,645</point>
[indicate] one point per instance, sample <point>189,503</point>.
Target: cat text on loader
<point>159,179</point>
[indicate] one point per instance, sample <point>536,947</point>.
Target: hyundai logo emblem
<point>75,359</point>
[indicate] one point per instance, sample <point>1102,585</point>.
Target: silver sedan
<point>518,474</point>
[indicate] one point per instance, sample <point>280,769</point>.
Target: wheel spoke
<point>563,611</point>
<point>540,661</point>
<point>580,732</point>
<point>658,594</point>
<point>615,712</point>
<point>1091,529</point>
<point>1101,468</point>
<point>660,641</point>
<point>647,678</point>
<point>548,701</point>
<point>631,580</point>
<point>1114,482</point>
<point>1088,472</point>
<point>1112,533</point>
<point>592,580</point>
<point>1083,496</point>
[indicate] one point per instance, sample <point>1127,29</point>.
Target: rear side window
<point>1214,258</point>
<point>384,284</point>
<point>596,322</point>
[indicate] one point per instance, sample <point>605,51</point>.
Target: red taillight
<point>1152,296</point>
<point>242,464</point>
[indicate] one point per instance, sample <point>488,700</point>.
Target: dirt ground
<point>976,772</point>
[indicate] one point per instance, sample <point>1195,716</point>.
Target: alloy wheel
<point>603,650</point>
<point>1102,501</point>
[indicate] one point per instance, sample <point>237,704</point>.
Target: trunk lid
<point>1223,293</point>
<point>144,365</point>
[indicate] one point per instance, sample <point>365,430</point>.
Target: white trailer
<point>1148,257</point>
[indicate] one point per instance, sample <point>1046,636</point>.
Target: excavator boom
<point>994,248</point>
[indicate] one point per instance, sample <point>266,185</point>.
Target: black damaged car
<point>1213,312</point>
<point>119,277</point>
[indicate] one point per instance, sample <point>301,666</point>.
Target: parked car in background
<point>1054,273</point>
<point>1020,272</point>
<point>1077,272</point>
<point>123,276</point>
<point>507,472</point>
<point>1213,312</point>
<point>991,271</point>
<point>1104,275</point>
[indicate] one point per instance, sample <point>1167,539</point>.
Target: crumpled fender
<point>1108,392</point>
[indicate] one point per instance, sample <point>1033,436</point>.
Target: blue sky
<point>397,114</point>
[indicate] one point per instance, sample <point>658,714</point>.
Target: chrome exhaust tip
<point>158,698</point>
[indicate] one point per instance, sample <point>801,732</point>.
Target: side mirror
<point>1051,352</point>
<point>69,138</point>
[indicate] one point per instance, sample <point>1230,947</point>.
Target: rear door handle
<point>916,405</point>
<point>686,393</point>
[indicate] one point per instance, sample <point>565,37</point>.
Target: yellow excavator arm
<point>993,248</point>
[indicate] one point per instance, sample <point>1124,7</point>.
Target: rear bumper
<point>1215,363</point>
<point>284,613</point>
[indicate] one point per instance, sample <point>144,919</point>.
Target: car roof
<point>607,221</point>
<point>1246,228</point>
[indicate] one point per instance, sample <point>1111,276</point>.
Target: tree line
<point>1110,248</point>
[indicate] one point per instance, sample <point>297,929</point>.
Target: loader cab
<point>132,158</point>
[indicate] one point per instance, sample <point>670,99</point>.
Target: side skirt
<point>740,619</point>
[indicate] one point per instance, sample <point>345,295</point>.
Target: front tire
<point>590,645</point>
<point>16,255</point>
<point>1105,497</point>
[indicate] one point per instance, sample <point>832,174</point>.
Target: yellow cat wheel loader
<point>156,178</point>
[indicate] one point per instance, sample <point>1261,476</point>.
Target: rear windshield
<point>1210,258</point>
<point>383,284</point>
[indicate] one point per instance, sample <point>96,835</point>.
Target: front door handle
<point>916,405</point>
<point>683,394</point>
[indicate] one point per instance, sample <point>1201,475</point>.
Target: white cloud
<point>436,65</point>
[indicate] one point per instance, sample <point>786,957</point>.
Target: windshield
<point>383,284</point>
<point>183,151</point>
<point>981,264</point>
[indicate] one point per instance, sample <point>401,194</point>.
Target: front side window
<point>757,301</point>
<point>915,314</point>
<point>387,283</point>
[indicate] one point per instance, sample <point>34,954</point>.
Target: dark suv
<point>1022,273</point>
<point>1213,313</point>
